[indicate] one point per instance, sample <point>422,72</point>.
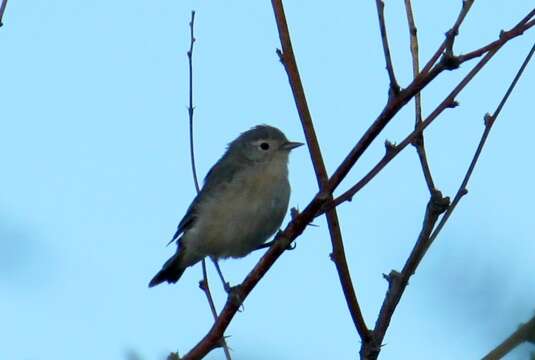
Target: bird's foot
<point>234,296</point>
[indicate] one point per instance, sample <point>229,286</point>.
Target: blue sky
<point>96,176</point>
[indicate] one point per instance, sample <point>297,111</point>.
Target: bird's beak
<point>291,145</point>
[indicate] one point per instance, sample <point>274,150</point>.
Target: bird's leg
<point>226,285</point>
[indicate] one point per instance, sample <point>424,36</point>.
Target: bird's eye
<point>264,146</point>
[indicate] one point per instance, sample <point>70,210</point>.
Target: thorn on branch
<point>202,285</point>
<point>463,192</point>
<point>280,55</point>
<point>452,104</point>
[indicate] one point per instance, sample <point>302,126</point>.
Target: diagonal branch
<point>2,10</point>
<point>418,143</point>
<point>394,86</point>
<point>338,254</point>
<point>525,333</point>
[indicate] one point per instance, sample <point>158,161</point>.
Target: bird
<point>242,203</point>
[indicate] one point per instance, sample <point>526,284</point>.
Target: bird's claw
<point>234,296</point>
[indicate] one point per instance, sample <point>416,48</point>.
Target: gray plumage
<point>242,203</point>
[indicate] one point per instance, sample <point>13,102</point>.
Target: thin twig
<point>525,333</point>
<point>203,284</point>
<point>338,254</point>
<point>190,107</point>
<point>399,281</point>
<point>525,24</point>
<point>394,86</point>
<point>489,122</point>
<point>447,44</point>
<point>392,108</point>
<point>418,143</point>
<point>2,10</point>
<point>315,206</point>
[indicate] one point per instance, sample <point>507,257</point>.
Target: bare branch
<point>2,10</point>
<point>318,204</point>
<point>519,29</point>
<point>525,333</point>
<point>418,143</point>
<point>190,107</point>
<point>338,254</point>
<point>397,282</point>
<point>447,44</point>
<point>391,109</point>
<point>203,284</point>
<point>489,122</point>
<point>437,205</point>
<point>394,86</point>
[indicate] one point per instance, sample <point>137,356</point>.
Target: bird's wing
<point>219,175</point>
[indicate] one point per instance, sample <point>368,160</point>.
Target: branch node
<point>438,204</point>
<point>488,120</point>
<point>392,277</point>
<point>390,147</point>
<point>280,55</point>
<point>418,140</point>
<point>450,61</point>
<point>463,192</point>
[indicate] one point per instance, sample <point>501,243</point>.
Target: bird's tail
<point>171,271</point>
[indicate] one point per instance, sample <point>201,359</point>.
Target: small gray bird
<point>242,203</point>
